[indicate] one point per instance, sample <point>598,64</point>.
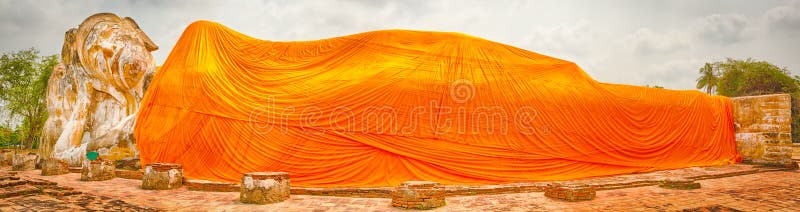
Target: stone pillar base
<point>53,166</point>
<point>6,157</point>
<point>264,187</point>
<point>679,183</point>
<point>24,162</point>
<point>97,170</point>
<point>422,195</point>
<point>162,176</point>
<point>572,193</point>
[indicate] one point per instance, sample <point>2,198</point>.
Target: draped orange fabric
<point>379,108</point>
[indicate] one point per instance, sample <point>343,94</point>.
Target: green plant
<point>23,83</point>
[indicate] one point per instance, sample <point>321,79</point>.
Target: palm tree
<point>708,78</point>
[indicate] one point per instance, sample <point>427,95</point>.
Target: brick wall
<point>763,128</point>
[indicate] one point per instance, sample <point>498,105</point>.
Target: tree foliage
<point>750,77</point>
<point>23,85</point>
<point>708,78</point>
<point>8,137</point>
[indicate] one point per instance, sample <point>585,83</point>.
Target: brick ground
<point>767,191</point>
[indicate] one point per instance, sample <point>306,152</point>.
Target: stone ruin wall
<point>763,126</point>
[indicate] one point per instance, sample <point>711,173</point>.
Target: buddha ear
<point>148,44</point>
<point>68,51</point>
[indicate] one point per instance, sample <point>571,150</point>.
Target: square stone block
<point>264,187</point>
<point>24,162</point>
<point>162,176</point>
<point>54,166</point>
<point>97,170</point>
<point>421,195</point>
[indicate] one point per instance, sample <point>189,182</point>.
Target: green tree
<point>23,84</point>
<point>8,137</point>
<point>750,77</point>
<point>708,78</point>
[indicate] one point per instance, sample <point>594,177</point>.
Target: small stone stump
<point>572,193</point>
<point>422,195</point>
<point>54,166</point>
<point>679,183</point>
<point>97,170</point>
<point>264,187</point>
<point>24,162</point>
<point>6,157</point>
<point>162,176</point>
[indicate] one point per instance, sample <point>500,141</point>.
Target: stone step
<point>41,183</point>
<point>19,190</point>
<point>60,192</point>
<point>12,183</point>
<point>9,173</point>
<point>129,174</point>
<point>204,185</point>
<point>8,177</point>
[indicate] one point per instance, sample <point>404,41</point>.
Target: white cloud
<point>648,42</point>
<point>724,28</point>
<point>784,19</point>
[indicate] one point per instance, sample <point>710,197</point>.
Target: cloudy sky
<point>630,42</point>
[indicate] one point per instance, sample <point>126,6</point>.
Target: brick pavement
<point>766,191</point>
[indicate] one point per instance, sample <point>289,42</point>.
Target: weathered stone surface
<point>75,169</point>
<point>97,170</point>
<point>129,164</point>
<point>94,94</point>
<point>421,195</point>
<point>763,128</point>
<point>205,185</point>
<point>53,166</point>
<point>679,183</point>
<point>572,193</point>
<point>264,187</point>
<point>6,157</point>
<point>24,162</point>
<point>371,192</point>
<point>129,174</point>
<point>162,176</point>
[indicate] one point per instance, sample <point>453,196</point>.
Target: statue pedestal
<point>53,166</point>
<point>97,170</point>
<point>264,187</point>
<point>162,176</point>
<point>421,195</point>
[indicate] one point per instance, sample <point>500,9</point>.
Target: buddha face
<point>116,50</point>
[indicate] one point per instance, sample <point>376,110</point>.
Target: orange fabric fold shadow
<point>383,107</point>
